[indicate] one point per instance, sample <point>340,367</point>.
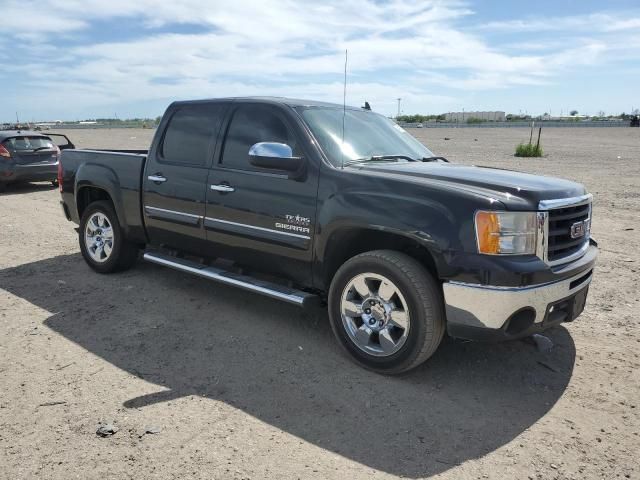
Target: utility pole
<point>399,100</point>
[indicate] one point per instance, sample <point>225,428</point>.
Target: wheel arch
<point>348,242</point>
<point>88,194</point>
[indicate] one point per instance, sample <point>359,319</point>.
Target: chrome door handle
<point>157,178</point>
<point>222,188</point>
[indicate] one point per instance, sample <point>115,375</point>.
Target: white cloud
<point>595,22</point>
<point>410,49</point>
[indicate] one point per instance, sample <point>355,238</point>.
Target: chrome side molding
<point>279,292</point>
<point>211,222</point>
<point>172,215</point>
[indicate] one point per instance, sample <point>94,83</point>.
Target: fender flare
<point>92,175</point>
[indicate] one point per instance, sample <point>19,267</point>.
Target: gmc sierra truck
<point>305,201</point>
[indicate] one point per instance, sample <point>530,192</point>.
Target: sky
<point>80,59</point>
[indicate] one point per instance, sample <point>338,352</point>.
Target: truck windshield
<point>367,136</point>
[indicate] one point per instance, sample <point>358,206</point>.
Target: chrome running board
<point>273,290</point>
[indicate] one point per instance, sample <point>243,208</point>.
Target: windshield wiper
<point>380,158</point>
<point>41,148</point>
<point>434,159</point>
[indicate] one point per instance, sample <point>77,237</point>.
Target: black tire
<point>424,299</point>
<point>3,187</point>
<point>123,254</point>
<point>54,183</point>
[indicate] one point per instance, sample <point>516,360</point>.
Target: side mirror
<point>276,156</point>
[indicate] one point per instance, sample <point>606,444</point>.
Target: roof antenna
<point>344,104</point>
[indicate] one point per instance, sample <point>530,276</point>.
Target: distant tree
<point>602,114</point>
<point>517,118</point>
<point>418,118</point>
<point>573,113</point>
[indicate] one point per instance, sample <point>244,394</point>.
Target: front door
<point>259,218</point>
<point>174,182</point>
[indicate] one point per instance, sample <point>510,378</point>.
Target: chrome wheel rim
<point>375,314</point>
<point>98,237</point>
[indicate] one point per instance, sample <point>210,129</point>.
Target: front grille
<point>559,243</point>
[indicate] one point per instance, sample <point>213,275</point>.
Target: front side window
<point>366,134</point>
<point>190,132</point>
<point>252,124</point>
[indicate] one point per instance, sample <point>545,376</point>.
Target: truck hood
<point>519,191</point>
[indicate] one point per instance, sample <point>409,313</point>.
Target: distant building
<point>465,116</point>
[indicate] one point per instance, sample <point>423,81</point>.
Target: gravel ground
<point>235,385</point>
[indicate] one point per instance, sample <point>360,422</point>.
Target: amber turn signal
<point>488,232</point>
<point>506,233</point>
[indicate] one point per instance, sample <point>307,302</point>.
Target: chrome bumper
<point>486,306</point>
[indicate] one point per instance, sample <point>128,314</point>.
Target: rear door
<point>174,182</point>
<point>31,149</point>
<point>260,218</point>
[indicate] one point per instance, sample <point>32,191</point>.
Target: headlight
<point>506,233</point>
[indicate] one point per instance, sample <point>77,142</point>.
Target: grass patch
<point>528,150</point>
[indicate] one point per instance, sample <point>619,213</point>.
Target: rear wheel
<point>102,242</point>
<point>387,311</point>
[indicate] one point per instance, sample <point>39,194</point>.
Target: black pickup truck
<point>305,201</point>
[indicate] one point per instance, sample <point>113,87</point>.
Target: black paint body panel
<point>431,204</point>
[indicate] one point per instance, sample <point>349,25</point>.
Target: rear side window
<point>190,132</point>
<point>28,144</point>
<point>252,124</point>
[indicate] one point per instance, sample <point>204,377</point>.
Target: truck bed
<point>116,172</point>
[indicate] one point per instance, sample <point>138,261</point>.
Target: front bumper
<point>485,312</point>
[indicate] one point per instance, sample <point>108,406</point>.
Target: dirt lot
<point>240,386</point>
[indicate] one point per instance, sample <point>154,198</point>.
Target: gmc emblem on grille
<point>579,229</point>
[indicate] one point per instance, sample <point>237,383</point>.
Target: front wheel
<point>387,311</point>
<point>102,242</point>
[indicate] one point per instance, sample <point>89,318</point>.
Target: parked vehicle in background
<point>308,200</point>
<point>28,156</point>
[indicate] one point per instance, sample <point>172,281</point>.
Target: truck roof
<point>292,102</point>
